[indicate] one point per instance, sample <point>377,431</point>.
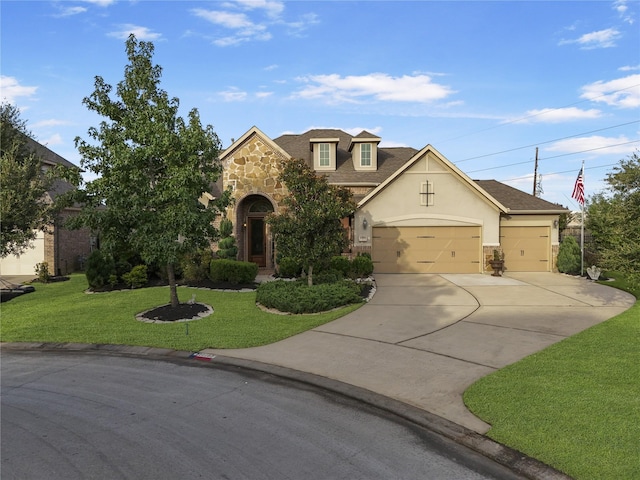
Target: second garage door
<point>427,249</point>
<point>526,249</point>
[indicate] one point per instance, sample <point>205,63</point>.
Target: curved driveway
<point>423,339</point>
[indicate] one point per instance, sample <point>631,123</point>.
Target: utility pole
<point>535,176</point>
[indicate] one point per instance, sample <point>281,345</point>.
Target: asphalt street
<point>77,416</point>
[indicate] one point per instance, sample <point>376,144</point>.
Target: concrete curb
<point>515,461</point>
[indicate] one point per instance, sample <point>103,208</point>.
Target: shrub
<point>361,266</point>
<point>195,266</point>
<point>569,256</point>
<point>137,277</point>
<point>42,271</point>
<point>298,297</point>
<point>233,271</point>
<point>341,264</point>
<point>227,245</point>
<point>100,267</point>
<point>328,276</point>
<point>289,268</point>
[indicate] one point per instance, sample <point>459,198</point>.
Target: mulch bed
<point>184,311</point>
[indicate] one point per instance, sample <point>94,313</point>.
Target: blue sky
<point>483,82</point>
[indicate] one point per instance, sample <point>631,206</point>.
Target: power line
<point>555,156</point>
<point>548,141</point>
<point>559,173</point>
<point>520,119</point>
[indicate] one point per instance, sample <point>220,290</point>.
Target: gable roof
<point>450,166</point>
<point>516,200</point>
<point>50,158</point>
<point>252,131</point>
<point>47,156</point>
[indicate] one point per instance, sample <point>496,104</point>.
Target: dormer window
<point>364,152</point>
<point>365,155</point>
<point>324,153</point>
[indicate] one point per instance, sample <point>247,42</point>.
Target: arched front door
<point>257,243</point>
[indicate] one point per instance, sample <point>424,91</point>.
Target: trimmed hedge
<point>233,271</point>
<point>297,297</point>
<point>361,266</point>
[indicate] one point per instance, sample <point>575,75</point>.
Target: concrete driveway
<point>423,339</point>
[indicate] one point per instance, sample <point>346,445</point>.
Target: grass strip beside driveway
<point>575,405</point>
<point>62,312</point>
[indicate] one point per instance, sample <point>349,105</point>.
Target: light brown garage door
<point>426,249</point>
<point>526,249</point>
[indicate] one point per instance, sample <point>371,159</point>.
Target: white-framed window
<point>365,155</point>
<point>426,193</point>
<point>324,155</point>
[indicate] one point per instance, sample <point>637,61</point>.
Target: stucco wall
<point>454,203</point>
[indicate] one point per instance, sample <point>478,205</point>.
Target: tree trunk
<point>310,276</point>
<point>173,289</point>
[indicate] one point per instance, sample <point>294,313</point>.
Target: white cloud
<point>273,9</point>
<point>622,92</point>
<point>629,68</point>
<point>141,33</point>
<point>55,139</point>
<point>380,86</point>
<point>245,29</point>
<point>52,122</point>
<point>234,94</point>
<point>70,11</point>
<point>101,3</point>
<point>235,16</point>
<point>263,94</point>
<point>558,115</point>
<point>621,7</point>
<point>600,39</point>
<point>270,68</point>
<point>621,145</point>
<point>356,130</point>
<point>10,89</point>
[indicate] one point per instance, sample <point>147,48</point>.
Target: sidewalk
<point>423,339</point>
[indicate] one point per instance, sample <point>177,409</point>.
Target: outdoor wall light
<point>555,224</point>
<point>365,223</point>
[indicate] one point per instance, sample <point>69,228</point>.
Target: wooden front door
<point>257,241</point>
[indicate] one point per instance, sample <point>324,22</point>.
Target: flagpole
<point>582,231</point>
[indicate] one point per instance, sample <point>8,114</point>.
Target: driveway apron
<point>423,339</point>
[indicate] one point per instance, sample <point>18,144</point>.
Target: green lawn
<point>574,405</point>
<point>62,312</point>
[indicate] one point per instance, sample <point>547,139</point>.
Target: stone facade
<point>252,171</point>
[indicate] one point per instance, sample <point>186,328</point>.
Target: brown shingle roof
<point>389,159</point>
<point>517,200</point>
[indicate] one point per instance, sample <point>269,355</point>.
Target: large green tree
<point>612,218</point>
<point>25,207</point>
<point>152,166</point>
<point>310,229</point>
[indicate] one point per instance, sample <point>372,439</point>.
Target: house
<point>416,211</point>
<point>64,250</point>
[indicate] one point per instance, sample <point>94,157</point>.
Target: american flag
<point>578,188</point>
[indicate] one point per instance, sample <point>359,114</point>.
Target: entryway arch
<point>256,244</point>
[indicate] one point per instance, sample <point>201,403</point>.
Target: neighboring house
<point>417,212</point>
<point>64,250</point>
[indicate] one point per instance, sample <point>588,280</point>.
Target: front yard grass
<point>62,312</point>
<point>575,405</point>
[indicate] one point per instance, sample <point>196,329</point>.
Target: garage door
<point>526,249</point>
<point>426,249</point>
<point>24,264</point>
